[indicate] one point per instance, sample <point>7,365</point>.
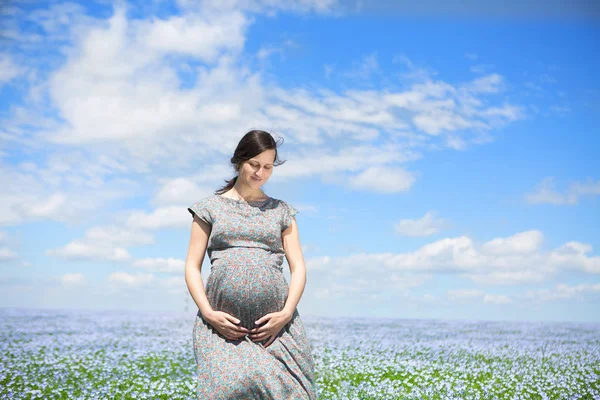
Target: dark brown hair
<point>252,144</point>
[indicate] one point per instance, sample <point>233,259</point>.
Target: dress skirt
<point>244,369</point>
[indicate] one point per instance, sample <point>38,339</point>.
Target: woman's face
<point>256,171</point>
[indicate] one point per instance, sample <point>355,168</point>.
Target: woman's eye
<point>258,166</point>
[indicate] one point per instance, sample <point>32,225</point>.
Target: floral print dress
<point>246,280</point>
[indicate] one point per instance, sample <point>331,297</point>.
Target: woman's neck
<point>247,193</point>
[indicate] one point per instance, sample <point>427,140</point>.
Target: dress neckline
<point>244,201</point>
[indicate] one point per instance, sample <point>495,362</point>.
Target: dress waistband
<point>246,257</point>
<point>220,263</point>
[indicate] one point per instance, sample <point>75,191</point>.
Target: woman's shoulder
<point>278,202</point>
<point>286,206</point>
<point>203,209</point>
<point>206,201</point>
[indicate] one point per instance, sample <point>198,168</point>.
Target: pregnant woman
<point>249,340</point>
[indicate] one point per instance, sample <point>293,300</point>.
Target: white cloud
<point>367,66</point>
<point>57,18</point>
<point>443,108</point>
<point>403,281</point>
<point>547,78</point>
<point>429,298</point>
<point>560,110</point>
<point>437,121</point>
<point>119,85</point>
<point>350,159</point>
<point>481,68</point>
<point>506,112</point>
<point>589,188</point>
<point>193,34</point>
<point>70,187</point>
<point>522,242</point>
<point>497,299</point>
<point>512,277</point>
<point>545,192</point>
<point>175,285</point>
<point>168,265</point>
<point>564,292</point>
<point>464,294</point>
<point>164,217</point>
<point>115,236</point>
<point>71,280</point>
<point>313,117</point>
<point>382,180</point>
<point>48,207</point>
<point>575,255</point>
<point>269,7</point>
<point>163,95</point>
<point>78,250</point>
<point>436,108</point>
<point>106,243</point>
<point>533,86</point>
<point>501,261</point>
<point>471,295</point>
<point>375,287</point>
<point>8,69</point>
<point>424,96</point>
<point>266,52</point>
<point>131,280</point>
<point>491,83</point>
<point>415,73</point>
<point>182,190</point>
<point>471,56</point>
<point>448,253</point>
<point>428,225</point>
<point>7,254</point>
<point>328,69</point>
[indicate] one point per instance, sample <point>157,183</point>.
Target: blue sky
<point>444,162</point>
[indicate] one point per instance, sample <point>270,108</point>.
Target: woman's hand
<point>273,323</point>
<point>226,325</point>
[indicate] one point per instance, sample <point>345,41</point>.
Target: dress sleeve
<point>288,214</point>
<point>201,210</point>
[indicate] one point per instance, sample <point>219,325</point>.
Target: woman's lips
<point>256,180</point>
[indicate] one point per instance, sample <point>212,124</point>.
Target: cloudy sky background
<point>444,160</point>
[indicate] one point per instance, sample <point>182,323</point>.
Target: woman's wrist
<point>287,313</point>
<point>207,315</point>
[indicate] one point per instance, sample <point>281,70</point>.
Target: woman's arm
<point>193,264</point>
<point>226,324</point>
<point>293,253</point>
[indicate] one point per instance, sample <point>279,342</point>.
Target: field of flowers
<point>52,354</point>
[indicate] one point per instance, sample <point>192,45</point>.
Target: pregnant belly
<point>246,292</point>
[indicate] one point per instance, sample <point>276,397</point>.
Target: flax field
<point>54,354</point>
